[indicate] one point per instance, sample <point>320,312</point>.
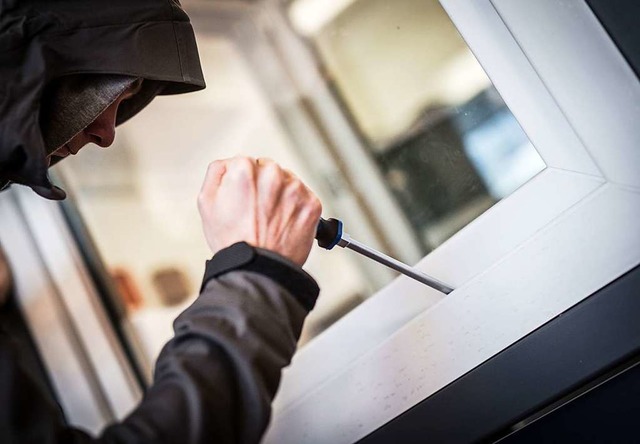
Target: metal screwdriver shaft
<point>330,234</point>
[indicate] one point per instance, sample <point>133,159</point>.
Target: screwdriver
<point>330,233</point>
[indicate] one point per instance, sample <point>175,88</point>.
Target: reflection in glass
<point>440,133</point>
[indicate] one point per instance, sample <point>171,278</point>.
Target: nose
<point>102,131</point>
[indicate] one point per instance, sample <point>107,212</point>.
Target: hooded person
<point>41,43</point>
<point>63,65</point>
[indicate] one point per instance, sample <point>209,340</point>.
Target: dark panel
<point>608,413</point>
<point>428,168</point>
<point>621,19</point>
<point>566,353</point>
<point>15,330</point>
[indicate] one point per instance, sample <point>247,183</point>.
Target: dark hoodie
<point>214,381</point>
<point>43,40</point>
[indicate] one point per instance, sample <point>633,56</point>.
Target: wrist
<point>242,256</point>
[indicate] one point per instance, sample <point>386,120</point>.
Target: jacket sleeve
<point>215,380</point>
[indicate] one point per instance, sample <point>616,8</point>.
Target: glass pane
<point>440,133</point>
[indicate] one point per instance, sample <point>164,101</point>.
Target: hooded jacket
<point>43,40</point>
<point>214,381</point>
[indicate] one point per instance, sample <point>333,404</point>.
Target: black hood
<point>43,40</point>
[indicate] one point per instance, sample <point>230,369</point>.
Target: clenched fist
<point>258,202</point>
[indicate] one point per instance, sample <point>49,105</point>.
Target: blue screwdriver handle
<point>329,233</point>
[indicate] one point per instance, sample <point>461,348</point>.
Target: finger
<point>295,196</point>
<point>290,176</point>
<point>308,207</point>
<point>311,209</point>
<point>215,171</point>
<point>238,186</point>
<point>242,169</point>
<point>270,182</point>
<point>270,187</point>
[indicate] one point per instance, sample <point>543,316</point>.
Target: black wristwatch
<point>242,256</point>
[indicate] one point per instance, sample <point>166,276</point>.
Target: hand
<point>258,202</point>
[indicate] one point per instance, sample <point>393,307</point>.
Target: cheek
<point>108,117</point>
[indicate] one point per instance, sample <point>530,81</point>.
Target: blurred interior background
<point>379,106</point>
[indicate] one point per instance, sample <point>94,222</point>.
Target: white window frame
<point>559,238</point>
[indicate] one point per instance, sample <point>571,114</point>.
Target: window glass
<point>440,133</point>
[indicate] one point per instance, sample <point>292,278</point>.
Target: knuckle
<point>314,208</point>
<point>276,180</point>
<point>299,187</point>
<point>239,167</point>
<point>215,165</point>
<point>245,164</point>
<point>210,167</point>
<point>317,206</point>
<point>273,171</point>
<point>201,202</point>
<point>294,190</point>
<point>214,174</point>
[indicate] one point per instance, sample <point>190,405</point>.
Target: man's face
<point>102,130</point>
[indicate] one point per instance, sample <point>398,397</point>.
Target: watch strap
<point>244,257</point>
